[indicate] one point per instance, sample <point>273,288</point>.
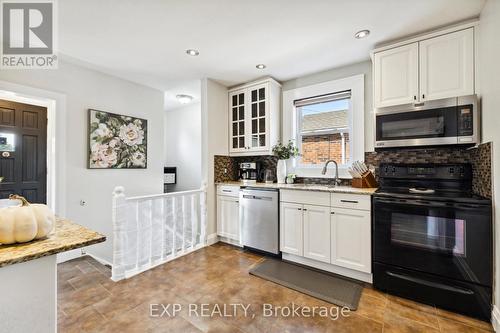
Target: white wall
<point>85,88</point>
<point>183,146</point>
<point>365,68</point>
<point>214,101</point>
<point>489,79</point>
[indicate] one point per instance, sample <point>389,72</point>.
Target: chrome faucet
<point>323,172</point>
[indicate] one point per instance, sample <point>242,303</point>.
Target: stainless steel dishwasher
<point>259,219</point>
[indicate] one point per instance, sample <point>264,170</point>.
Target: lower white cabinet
<point>291,229</point>
<point>228,217</point>
<point>317,232</point>
<point>335,237</point>
<point>305,231</point>
<point>351,239</point>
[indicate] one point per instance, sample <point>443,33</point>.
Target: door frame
<point>56,134</point>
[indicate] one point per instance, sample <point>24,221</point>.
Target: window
<point>7,142</point>
<point>326,121</point>
<point>323,129</point>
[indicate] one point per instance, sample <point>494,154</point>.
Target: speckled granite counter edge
<point>302,187</point>
<point>66,236</point>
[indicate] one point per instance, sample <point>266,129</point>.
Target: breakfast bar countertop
<point>66,236</point>
<point>305,187</point>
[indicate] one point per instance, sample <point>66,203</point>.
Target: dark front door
<point>23,151</point>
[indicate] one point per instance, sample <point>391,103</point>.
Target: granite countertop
<point>306,187</point>
<point>66,236</point>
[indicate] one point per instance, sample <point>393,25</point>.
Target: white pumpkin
<point>45,220</point>
<point>26,222</point>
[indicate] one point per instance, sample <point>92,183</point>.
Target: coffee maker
<point>249,172</point>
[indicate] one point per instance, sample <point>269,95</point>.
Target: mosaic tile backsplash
<point>226,168</point>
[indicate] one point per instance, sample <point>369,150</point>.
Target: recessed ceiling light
<point>192,52</point>
<point>260,66</point>
<point>184,99</point>
<point>362,34</point>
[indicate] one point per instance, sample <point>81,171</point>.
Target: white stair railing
<point>151,230</point>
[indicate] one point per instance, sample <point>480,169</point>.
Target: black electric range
<point>432,237</point>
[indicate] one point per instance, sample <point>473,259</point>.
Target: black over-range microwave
<point>449,121</point>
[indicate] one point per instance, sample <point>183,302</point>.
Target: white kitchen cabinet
<point>447,65</point>
<point>317,232</point>
<point>334,235</point>
<point>351,239</point>
<point>228,220</point>
<point>430,67</point>
<point>254,118</point>
<point>291,228</point>
<point>395,76</point>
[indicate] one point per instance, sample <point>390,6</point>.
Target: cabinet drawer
<point>306,197</point>
<point>228,190</point>
<point>352,201</point>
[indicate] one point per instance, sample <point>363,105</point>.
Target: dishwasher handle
<point>255,197</point>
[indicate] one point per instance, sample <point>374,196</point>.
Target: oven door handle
<point>412,202</point>
<point>431,283</point>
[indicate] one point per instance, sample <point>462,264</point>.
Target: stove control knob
<point>452,170</point>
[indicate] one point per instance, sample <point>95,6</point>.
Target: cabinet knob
<point>299,208</point>
<point>414,97</point>
<point>332,213</point>
<point>423,96</point>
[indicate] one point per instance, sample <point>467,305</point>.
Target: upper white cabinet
<point>254,118</point>
<point>396,76</point>
<point>447,66</point>
<point>428,68</point>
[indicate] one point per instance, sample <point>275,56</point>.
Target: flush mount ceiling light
<point>362,34</point>
<point>184,99</point>
<point>192,52</point>
<point>260,66</point>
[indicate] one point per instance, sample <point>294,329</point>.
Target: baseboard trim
<point>100,260</point>
<point>495,318</point>
<point>68,255</point>
<point>212,239</point>
<point>365,277</point>
<point>230,241</point>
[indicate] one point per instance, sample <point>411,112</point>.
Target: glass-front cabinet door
<point>254,118</point>
<point>237,116</point>
<point>258,117</point>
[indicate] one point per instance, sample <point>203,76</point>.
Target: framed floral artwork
<point>117,141</point>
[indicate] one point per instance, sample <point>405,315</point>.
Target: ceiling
<point>145,41</point>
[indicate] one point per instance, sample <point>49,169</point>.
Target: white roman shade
<point>322,98</point>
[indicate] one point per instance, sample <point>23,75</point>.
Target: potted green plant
<point>290,179</point>
<point>283,153</point>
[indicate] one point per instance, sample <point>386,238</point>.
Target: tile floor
<point>88,301</point>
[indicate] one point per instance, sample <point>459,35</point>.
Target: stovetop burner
<point>431,182</point>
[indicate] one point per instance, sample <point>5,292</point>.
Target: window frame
<point>356,122</point>
<point>298,162</point>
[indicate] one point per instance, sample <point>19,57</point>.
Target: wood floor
<point>88,301</point>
